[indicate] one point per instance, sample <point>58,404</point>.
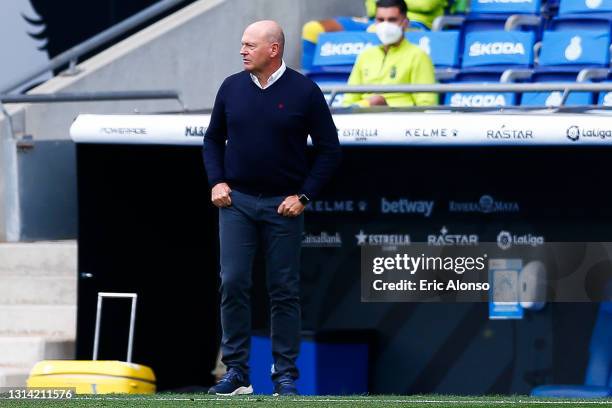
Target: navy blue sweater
<point>266,133</point>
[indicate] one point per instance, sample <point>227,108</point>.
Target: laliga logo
<point>504,240</point>
<point>573,133</point>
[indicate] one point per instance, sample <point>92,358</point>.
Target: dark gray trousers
<point>250,221</point>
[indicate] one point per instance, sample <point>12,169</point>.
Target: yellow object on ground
<point>93,377</point>
<point>405,63</point>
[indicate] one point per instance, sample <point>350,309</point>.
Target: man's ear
<point>405,23</point>
<point>275,50</point>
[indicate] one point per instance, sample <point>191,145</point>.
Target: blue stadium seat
<point>490,15</point>
<point>479,99</point>
<point>487,15</point>
<point>479,7</point>
<point>574,49</point>
<point>596,22</point>
<point>497,51</point>
<point>605,98</point>
<point>583,15</point>
<point>563,55</point>
<point>554,98</point>
<point>568,7</point>
<point>336,52</point>
<point>442,46</point>
<point>487,54</point>
<point>598,378</point>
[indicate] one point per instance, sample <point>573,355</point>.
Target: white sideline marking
<point>265,398</point>
<point>365,400</point>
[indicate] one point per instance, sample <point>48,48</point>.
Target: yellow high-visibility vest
<point>402,64</point>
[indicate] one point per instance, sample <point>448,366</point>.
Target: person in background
<point>394,62</point>
<point>421,14</point>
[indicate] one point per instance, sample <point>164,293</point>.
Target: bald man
<point>256,163</point>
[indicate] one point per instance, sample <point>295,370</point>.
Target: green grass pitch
<point>257,401</point>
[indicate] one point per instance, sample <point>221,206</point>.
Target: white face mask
<point>388,33</point>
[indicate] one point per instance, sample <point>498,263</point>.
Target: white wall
<point>191,51</point>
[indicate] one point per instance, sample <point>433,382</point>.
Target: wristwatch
<point>303,199</point>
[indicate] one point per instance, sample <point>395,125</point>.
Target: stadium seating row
<point>493,45</point>
<point>488,56</point>
<point>532,15</point>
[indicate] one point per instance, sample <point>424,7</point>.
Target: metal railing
<point>72,55</point>
<point>84,97</point>
<point>92,97</point>
<point>565,87</point>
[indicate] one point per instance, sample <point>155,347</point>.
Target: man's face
<point>256,52</point>
<point>392,15</point>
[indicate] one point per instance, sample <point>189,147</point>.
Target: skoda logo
<point>504,240</point>
<point>486,203</point>
<point>573,133</point>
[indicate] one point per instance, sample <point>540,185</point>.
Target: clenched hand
<point>291,207</point>
<point>220,195</point>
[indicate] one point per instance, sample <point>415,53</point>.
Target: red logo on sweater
<point>281,106</point>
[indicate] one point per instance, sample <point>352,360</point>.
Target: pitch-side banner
<point>389,128</point>
<point>140,129</point>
